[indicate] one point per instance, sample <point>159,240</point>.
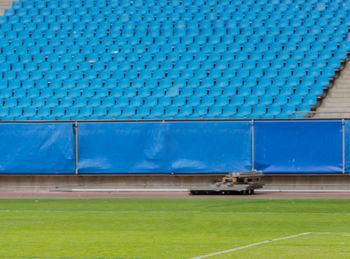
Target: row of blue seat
<point>252,70</point>
<point>163,3</point>
<point>142,44</point>
<point>227,82</point>
<point>154,112</point>
<point>168,5</point>
<point>233,22</point>
<point>148,83</point>
<point>244,95</point>
<point>53,23</point>
<point>178,4</point>
<point>156,60</point>
<point>166,50</point>
<point>200,74</point>
<point>236,100</point>
<point>190,89</point>
<point>60,71</point>
<point>256,9</point>
<point>169,44</point>
<point>170,59</point>
<point>200,12</point>
<point>73,47</point>
<point>149,44</point>
<point>104,29</point>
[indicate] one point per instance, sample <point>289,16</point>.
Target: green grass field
<point>173,228</point>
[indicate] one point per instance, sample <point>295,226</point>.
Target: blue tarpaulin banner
<point>37,148</point>
<point>205,147</point>
<point>298,146</point>
<point>347,146</point>
<point>174,147</point>
<point>164,147</point>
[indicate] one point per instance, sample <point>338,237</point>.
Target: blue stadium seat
<point>244,110</point>
<point>164,101</point>
<point>259,110</point>
<point>10,102</point>
<point>171,111</point>
<point>200,111</point>
<point>229,111</point>
<point>115,112</point>
<point>143,112</point>
<point>194,101</point>
<point>156,112</point>
<point>222,101</point>
<point>215,111</point>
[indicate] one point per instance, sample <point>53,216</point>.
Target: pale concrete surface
<point>170,195</point>
<point>5,4</point>
<point>337,102</point>
<point>45,183</point>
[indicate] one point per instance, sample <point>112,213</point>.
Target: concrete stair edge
<point>5,4</point>
<point>336,104</point>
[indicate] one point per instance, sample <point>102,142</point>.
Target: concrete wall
<point>336,104</point>
<point>274,182</point>
<point>307,182</point>
<point>46,183</point>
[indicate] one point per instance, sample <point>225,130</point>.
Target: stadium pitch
<point>174,228</point>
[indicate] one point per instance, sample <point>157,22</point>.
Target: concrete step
<point>342,85</point>
<point>342,81</point>
<point>332,116</point>
<point>336,100</point>
<point>336,94</point>
<point>333,109</point>
<point>342,90</point>
<point>339,87</point>
<point>341,106</point>
<point>5,4</point>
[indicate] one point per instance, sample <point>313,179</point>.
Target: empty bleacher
<point>114,59</point>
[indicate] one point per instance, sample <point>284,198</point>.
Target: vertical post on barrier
<point>75,128</point>
<point>252,144</point>
<point>343,144</point>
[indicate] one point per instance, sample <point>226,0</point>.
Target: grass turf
<point>172,228</point>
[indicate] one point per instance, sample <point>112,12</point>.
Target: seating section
<point>159,59</point>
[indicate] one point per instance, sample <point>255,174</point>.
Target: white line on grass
<point>250,245</point>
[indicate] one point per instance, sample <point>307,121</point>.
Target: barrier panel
<point>37,148</point>
<point>164,147</point>
<point>298,146</point>
<point>175,147</point>
<point>347,145</point>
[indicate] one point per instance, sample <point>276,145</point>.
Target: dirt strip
<point>92,195</point>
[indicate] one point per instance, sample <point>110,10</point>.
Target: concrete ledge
<point>37,183</point>
<point>49,182</point>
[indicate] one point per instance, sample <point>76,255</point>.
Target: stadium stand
<point>114,59</point>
